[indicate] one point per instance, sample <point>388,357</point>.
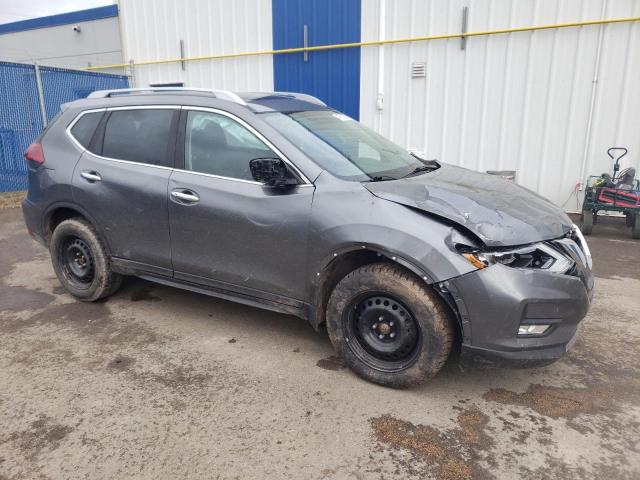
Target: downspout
<point>380,95</point>
<point>592,103</point>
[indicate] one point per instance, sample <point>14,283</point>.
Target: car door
<point>227,230</point>
<point>121,181</point>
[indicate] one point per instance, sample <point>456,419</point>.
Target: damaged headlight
<point>583,244</point>
<point>539,256</point>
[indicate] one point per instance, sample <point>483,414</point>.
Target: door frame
<point>218,288</point>
<point>180,139</point>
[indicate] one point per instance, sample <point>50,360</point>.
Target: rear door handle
<point>184,195</point>
<point>91,176</point>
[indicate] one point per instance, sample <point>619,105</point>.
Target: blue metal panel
<point>331,75</point>
<point>20,118</point>
<point>62,19</point>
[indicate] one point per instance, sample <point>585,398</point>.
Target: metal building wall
<point>98,43</point>
<point>152,30</point>
<point>519,101</point>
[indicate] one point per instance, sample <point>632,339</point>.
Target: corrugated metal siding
<point>152,30</point>
<point>331,75</point>
<point>517,101</point>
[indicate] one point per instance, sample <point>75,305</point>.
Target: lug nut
<point>392,334</point>
<point>380,336</point>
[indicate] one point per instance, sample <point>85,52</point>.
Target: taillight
<point>34,153</point>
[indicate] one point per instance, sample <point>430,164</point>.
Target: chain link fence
<point>26,101</point>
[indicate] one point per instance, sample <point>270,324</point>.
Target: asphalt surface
<point>159,383</point>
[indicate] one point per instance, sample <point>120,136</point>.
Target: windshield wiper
<point>381,178</point>
<point>423,168</point>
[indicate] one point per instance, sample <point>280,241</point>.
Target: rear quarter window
<point>85,127</point>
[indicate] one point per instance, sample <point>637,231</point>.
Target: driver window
<point>218,145</point>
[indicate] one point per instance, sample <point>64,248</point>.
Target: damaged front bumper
<point>493,303</point>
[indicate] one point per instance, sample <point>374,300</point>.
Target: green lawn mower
<point>617,193</point>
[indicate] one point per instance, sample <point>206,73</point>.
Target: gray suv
<point>275,200</point>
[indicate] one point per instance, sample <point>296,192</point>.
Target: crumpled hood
<point>499,212</point>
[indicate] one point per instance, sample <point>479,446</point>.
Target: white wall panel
<point>98,43</point>
<point>517,101</point>
<point>152,30</point>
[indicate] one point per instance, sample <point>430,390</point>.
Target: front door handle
<point>91,176</point>
<point>185,196</point>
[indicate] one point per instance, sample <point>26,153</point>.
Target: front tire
<point>80,261</point>
<point>389,326</point>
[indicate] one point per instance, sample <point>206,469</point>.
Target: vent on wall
<point>418,69</point>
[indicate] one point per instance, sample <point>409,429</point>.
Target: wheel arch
<point>344,260</point>
<point>60,211</point>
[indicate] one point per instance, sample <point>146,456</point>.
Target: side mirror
<point>272,172</point>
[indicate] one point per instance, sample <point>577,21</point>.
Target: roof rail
<point>221,94</point>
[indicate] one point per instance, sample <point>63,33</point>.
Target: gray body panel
<point>500,212</point>
<point>241,233</point>
<point>273,248</point>
<point>133,219</point>
<point>346,216</point>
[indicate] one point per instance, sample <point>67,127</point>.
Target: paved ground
<point>160,383</point>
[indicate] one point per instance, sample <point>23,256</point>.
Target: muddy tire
<point>635,226</point>
<point>388,326</point>
<point>80,261</point>
<point>586,222</point>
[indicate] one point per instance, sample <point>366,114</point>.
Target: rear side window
<point>84,128</point>
<point>139,135</point>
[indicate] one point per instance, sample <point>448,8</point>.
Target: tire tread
<point>442,324</point>
<point>109,281</point>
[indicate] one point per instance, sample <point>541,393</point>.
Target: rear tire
<point>80,261</point>
<point>388,326</point>
<point>635,227</point>
<point>586,222</point>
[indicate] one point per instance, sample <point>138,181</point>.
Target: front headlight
<point>539,256</point>
<point>583,244</point>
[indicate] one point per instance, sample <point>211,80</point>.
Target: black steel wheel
<point>386,334</point>
<point>81,262</point>
<point>586,222</point>
<point>77,262</point>
<point>389,326</point>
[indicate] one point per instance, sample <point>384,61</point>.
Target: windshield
<point>347,148</point>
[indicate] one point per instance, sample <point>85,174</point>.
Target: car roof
<point>258,102</point>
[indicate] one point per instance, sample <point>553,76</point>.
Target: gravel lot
<point>160,383</point>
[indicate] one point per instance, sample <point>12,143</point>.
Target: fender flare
<point>378,249</point>
<point>316,292</point>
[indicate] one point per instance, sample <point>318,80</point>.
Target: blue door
<point>331,75</point>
